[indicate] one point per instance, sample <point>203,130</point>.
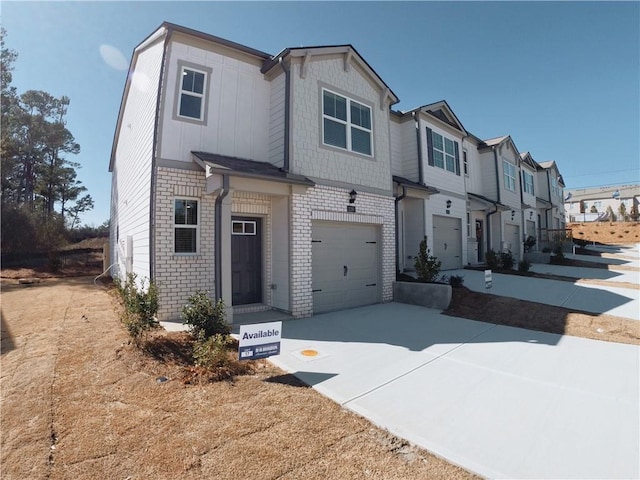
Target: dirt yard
<point>79,402</point>
<point>610,233</point>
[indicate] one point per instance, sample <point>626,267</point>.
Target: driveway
<point>501,401</point>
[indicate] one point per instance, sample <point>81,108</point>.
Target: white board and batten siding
<point>131,176</point>
<point>238,111</point>
<point>276,120</point>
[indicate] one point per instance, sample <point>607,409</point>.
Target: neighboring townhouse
<point>529,184</point>
<point>591,204</point>
<point>496,202</point>
<point>550,203</point>
<point>430,139</point>
<point>264,180</point>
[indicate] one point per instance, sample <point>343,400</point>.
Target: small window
<point>346,123</point>
<point>243,227</point>
<point>185,224</point>
<point>527,180</point>
<point>465,164</point>
<point>509,175</point>
<point>192,93</point>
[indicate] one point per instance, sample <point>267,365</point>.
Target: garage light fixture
<point>352,196</point>
<point>513,214</point>
<point>448,203</point>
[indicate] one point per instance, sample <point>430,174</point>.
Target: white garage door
<point>447,242</point>
<point>512,241</point>
<point>345,265</point>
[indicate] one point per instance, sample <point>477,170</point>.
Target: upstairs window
<point>555,190</point>
<point>443,152</point>
<point>465,163</point>
<point>185,226</point>
<point>509,175</point>
<point>527,180</point>
<point>192,94</point>
<point>346,123</point>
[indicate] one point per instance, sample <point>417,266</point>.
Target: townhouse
<point>288,182</point>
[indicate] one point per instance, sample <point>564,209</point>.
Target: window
<point>185,225</point>
<point>242,227</point>
<point>509,175</point>
<point>527,180</point>
<point>346,123</point>
<point>443,152</point>
<point>465,164</point>
<point>192,93</point>
<point>554,187</point>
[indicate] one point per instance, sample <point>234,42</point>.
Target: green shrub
<point>456,281</point>
<point>506,260</point>
<point>493,260</point>
<point>427,266</point>
<point>141,306</point>
<point>524,266</point>
<point>203,317</point>
<point>211,352</point>
<point>546,250</point>
<point>529,243</point>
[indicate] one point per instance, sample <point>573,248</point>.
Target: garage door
<point>512,240</point>
<point>447,242</point>
<point>345,265</point>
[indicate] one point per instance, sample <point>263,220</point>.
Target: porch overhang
<point>415,189</point>
<point>215,164</point>
<point>479,202</point>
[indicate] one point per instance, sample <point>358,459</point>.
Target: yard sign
<point>259,340</point>
<point>487,279</point>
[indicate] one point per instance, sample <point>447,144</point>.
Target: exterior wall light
<point>448,203</point>
<point>513,214</point>
<point>352,196</point>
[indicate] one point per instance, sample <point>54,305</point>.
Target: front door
<point>246,260</point>
<point>479,237</point>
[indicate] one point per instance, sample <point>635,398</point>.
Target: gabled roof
<point>552,164</point>
<point>528,159</point>
<point>443,112</point>
<point>241,167</point>
<point>350,54</point>
<point>493,142</point>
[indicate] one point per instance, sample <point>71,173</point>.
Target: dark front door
<point>479,237</point>
<point>246,260</point>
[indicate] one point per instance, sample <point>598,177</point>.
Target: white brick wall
<point>178,275</point>
<point>329,203</point>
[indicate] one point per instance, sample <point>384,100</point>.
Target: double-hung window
<point>185,226</point>
<point>554,187</point>
<point>527,180</point>
<point>443,152</point>
<point>346,123</point>
<point>192,94</point>
<point>509,175</point>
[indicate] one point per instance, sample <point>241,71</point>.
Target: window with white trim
<point>465,163</point>
<point>527,181</point>
<point>509,175</point>
<point>554,187</point>
<point>442,152</point>
<point>185,226</point>
<point>243,227</point>
<point>192,93</point>
<point>346,123</point>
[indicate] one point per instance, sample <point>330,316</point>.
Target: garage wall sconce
<point>513,214</point>
<point>352,196</point>
<point>448,203</point>
<point>530,215</point>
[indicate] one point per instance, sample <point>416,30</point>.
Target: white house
<point>597,200</point>
<point>262,179</point>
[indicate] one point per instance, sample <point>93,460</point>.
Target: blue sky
<point>562,78</point>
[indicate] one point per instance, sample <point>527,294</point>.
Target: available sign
<point>259,340</point>
<point>487,279</point>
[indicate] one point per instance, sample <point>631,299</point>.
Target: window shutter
<point>429,147</point>
<point>455,144</point>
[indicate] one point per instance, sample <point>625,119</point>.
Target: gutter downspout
<point>398,199</point>
<point>287,117</point>
<point>154,167</point>
<point>218,236</point>
<point>495,159</point>
<point>419,145</point>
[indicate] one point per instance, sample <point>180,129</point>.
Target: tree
<point>622,210</point>
<point>83,205</point>
<point>610,214</point>
<point>593,209</point>
<point>633,213</point>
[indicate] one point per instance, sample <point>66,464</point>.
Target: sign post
<point>487,279</point>
<point>260,340</point>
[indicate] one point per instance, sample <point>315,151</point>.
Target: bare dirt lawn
<point>79,402</point>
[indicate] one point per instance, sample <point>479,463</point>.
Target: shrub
<point>493,260</point>
<point>203,317</point>
<point>211,352</point>
<point>456,281</point>
<point>427,266</point>
<point>141,306</point>
<point>546,250</point>
<point>524,266</point>
<point>506,260</point>
<point>529,242</point>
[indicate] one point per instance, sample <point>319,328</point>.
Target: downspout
<point>419,145</point>
<point>218,236</point>
<point>495,160</point>
<point>398,199</point>
<point>488,222</point>
<point>287,117</point>
<point>152,193</point>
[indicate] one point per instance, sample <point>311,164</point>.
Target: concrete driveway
<point>500,401</point>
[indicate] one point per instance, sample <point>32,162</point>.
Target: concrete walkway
<point>500,401</point>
